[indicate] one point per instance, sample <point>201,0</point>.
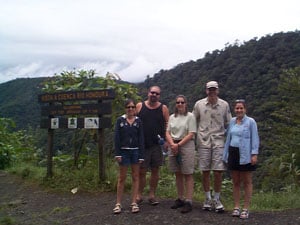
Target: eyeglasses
<point>130,107</point>
<point>240,100</point>
<point>154,93</point>
<point>180,103</point>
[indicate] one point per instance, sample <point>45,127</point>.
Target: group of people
<point>222,142</point>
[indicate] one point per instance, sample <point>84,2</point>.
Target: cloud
<point>132,38</point>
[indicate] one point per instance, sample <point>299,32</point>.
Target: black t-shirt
<point>153,124</point>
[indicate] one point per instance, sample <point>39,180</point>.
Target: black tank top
<point>153,124</point>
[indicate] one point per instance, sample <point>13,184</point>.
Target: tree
<point>283,166</point>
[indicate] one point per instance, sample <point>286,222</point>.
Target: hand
<point>253,159</point>
<point>166,145</point>
<point>174,148</point>
<point>119,159</point>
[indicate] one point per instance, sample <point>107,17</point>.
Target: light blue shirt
<point>248,139</point>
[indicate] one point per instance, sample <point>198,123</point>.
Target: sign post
<point>62,110</point>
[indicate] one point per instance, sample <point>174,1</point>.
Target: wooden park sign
<point>76,109</point>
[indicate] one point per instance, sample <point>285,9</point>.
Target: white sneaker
<point>207,205</point>
<point>218,206</point>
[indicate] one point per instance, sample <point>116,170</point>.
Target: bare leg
<point>189,186</point>
<point>206,181</point>
<point>179,185</point>
<point>247,180</point>
<point>153,181</point>
<point>217,181</point>
<point>236,188</point>
<point>142,182</point>
<point>121,182</point>
<point>135,168</point>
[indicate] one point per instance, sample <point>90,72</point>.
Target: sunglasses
<point>240,100</point>
<point>130,107</point>
<point>154,93</point>
<point>180,103</point>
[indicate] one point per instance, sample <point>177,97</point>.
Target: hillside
<point>248,70</point>
<point>18,100</point>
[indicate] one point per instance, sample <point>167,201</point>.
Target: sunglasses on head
<point>240,100</point>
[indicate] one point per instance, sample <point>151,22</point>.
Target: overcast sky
<point>133,38</point>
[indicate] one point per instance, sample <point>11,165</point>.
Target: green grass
<point>6,220</point>
<point>87,180</point>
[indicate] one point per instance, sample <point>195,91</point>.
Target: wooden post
<point>101,159</point>
<point>50,152</point>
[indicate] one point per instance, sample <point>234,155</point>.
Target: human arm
<point>138,107</point>
<point>117,141</point>
<point>254,141</point>
<point>227,116</point>
<point>169,138</point>
<point>141,141</point>
<point>166,116</point>
<point>227,143</point>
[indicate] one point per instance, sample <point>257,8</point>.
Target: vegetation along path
<point>22,203</point>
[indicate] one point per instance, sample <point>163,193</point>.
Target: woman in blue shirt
<point>129,149</point>
<point>240,154</point>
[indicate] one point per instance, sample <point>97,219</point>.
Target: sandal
<point>236,212</point>
<point>117,208</point>
<point>135,208</point>
<point>139,201</point>
<point>153,201</point>
<point>244,214</point>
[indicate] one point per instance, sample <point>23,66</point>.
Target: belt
<point>128,148</point>
<point>177,141</point>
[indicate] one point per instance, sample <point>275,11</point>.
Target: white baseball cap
<point>212,84</point>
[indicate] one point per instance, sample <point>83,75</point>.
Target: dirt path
<point>27,204</point>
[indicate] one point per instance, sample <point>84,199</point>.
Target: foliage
<point>82,140</point>
<point>281,169</point>
<point>276,200</point>
<point>87,80</point>
<point>7,220</point>
<point>13,144</point>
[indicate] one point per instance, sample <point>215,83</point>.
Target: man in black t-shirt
<point>154,116</point>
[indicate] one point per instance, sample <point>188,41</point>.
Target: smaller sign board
<point>91,123</point>
<point>54,123</point>
<point>72,122</point>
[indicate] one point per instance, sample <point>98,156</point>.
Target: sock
<point>189,200</point>
<point>217,195</point>
<point>208,196</point>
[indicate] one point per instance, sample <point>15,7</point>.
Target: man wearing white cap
<point>213,116</point>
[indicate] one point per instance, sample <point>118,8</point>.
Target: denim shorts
<point>129,157</point>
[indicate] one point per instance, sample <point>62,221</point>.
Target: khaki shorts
<point>153,157</point>
<point>186,164</point>
<point>211,159</point>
